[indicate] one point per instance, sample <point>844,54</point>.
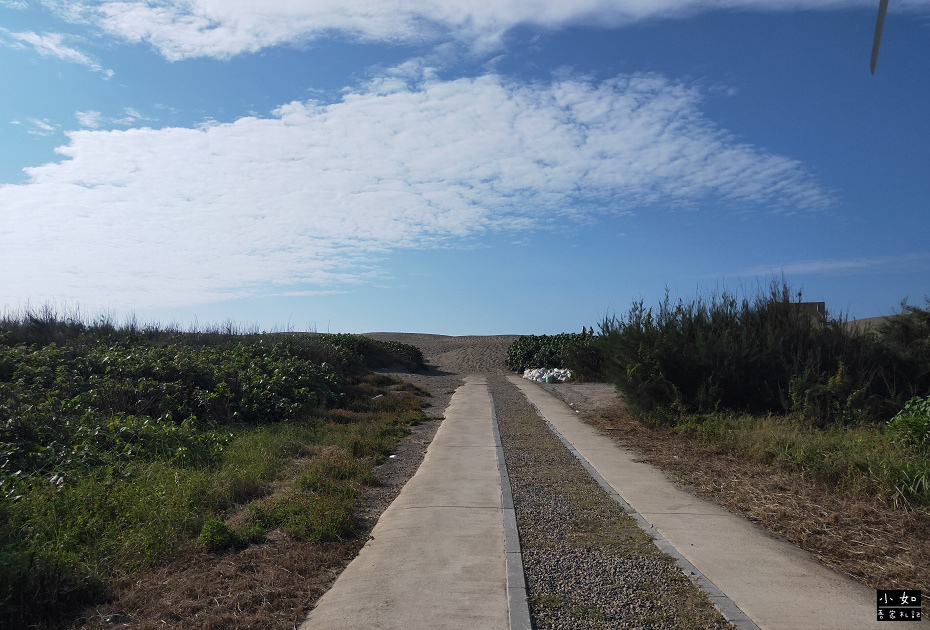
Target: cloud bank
<point>180,29</point>
<point>316,195</point>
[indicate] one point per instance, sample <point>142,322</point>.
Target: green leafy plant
<point>911,425</point>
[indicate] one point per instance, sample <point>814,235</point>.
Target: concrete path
<point>776,584</point>
<point>437,557</point>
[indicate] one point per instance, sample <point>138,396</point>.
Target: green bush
<point>907,338</point>
<point>761,355</point>
<point>321,473</point>
<point>911,425</point>
<point>577,352</point>
<point>217,536</point>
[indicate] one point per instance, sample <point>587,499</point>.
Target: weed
<point>120,448</point>
<point>319,516</point>
<point>216,536</point>
<point>322,473</point>
<point>863,458</point>
<point>911,426</point>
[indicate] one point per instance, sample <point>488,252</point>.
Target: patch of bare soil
<point>862,536</point>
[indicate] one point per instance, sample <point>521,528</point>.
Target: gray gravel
<point>587,564</point>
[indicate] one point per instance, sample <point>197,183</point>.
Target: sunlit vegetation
<point>765,378</point>
<point>123,446</point>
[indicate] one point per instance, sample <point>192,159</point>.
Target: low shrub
<point>315,516</point>
<point>322,472</point>
<point>578,352</point>
<point>216,536</point>
<point>911,425</point>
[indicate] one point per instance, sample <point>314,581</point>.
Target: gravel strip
<point>587,563</point>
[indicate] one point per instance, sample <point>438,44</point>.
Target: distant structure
<point>817,311</point>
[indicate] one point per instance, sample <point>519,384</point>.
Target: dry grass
<point>268,586</point>
<point>861,535</point>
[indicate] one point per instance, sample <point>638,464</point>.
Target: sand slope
<point>458,355</point>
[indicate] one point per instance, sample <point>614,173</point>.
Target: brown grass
<point>862,536</point>
<point>268,586</point>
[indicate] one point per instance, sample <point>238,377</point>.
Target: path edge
<point>517,602</point>
<point>730,611</point>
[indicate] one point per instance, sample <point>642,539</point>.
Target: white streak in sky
<point>844,266</point>
<point>52,45</point>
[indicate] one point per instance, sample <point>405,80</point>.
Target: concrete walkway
<point>437,557</point>
<point>776,584</point>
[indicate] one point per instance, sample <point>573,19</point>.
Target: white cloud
<point>91,119</point>
<point>842,266</point>
<point>223,28</point>
<point>313,197</point>
<point>52,45</point>
<point>42,127</point>
<point>131,116</point>
<point>95,120</point>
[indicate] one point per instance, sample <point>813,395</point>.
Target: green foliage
<point>75,531</point>
<point>217,536</point>
<point>911,425</point>
<point>578,352</point>
<point>762,355</point>
<point>119,447</point>
<point>319,516</point>
<point>375,354</point>
<point>907,337</point>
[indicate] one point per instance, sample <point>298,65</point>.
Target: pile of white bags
<point>546,375</point>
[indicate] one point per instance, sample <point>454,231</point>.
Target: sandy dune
<point>458,355</point>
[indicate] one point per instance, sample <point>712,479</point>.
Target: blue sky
<point>530,166</point>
